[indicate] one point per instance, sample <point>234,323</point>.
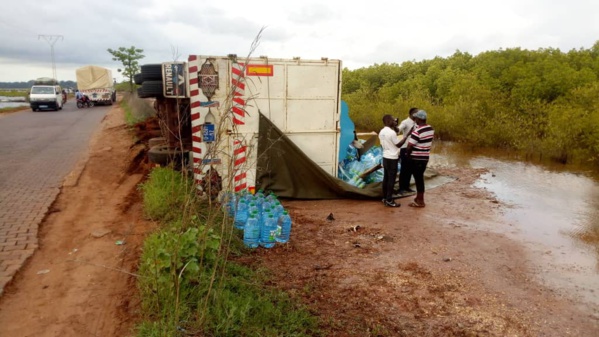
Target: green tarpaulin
<point>285,170</point>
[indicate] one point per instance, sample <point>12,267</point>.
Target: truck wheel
<point>141,93</point>
<point>156,141</point>
<point>138,78</point>
<point>152,88</point>
<point>151,72</point>
<point>163,155</point>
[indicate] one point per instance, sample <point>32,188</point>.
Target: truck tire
<point>141,93</point>
<point>151,72</point>
<point>152,88</point>
<point>138,78</point>
<point>156,141</point>
<point>163,155</point>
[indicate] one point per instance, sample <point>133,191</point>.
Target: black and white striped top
<point>421,140</point>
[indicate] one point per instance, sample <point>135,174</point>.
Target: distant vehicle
<point>45,96</point>
<point>97,83</point>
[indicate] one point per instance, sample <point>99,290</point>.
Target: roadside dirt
<point>77,284</point>
<point>372,271</point>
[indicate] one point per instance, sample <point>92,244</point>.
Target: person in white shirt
<point>405,174</point>
<point>391,145</point>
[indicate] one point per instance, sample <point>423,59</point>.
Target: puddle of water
<point>553,209</point>
<point>4,102</point>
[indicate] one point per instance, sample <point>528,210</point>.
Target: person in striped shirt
<point>419,148</point>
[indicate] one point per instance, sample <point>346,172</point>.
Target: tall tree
<point>128,57</point>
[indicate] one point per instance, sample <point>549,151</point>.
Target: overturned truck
<point>252,123</point>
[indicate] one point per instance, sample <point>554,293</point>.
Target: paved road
<point>37,151</point>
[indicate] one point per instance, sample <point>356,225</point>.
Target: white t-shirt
<point>405,128</point>
<point>389,141</point>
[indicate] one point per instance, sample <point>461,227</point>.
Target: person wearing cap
<point>391,145</point>
<point>419,148</point>
<point>405,175</point>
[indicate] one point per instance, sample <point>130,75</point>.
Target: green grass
<point>187,284</point>
<point>136,109</point>
<point>14,93</point>
<point>165,194</point>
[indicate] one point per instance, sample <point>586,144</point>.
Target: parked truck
<point>97,83</point>
<point>250,123</point>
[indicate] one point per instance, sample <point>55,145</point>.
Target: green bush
<point>187,284</point>
<point>543,103</point>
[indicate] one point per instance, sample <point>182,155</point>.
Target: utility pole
<point>51,39</point>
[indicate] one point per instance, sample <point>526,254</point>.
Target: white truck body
<point>97,83</point>
<point>301,97</point>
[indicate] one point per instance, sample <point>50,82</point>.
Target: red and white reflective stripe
<point>196,127</point>
<point>238,84</point>
<point>239,153</point>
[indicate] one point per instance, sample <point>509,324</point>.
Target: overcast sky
<point>360,33</point>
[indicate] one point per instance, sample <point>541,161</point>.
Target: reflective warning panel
<point>259,70</point>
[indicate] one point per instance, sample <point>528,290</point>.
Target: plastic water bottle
<point>226,203</point>
<point>251,232</point>
<point>241,215</point>
<point>278,209</point>
<point>285,223</point>
<point>266,204</point>
<point>232,204</point>
<point>268,232</point>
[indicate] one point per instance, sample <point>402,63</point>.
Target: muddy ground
<point>372,271</point>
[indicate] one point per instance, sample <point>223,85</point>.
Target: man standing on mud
<point>390,144</point>
<point>419,148</point>
<point>405,175</point>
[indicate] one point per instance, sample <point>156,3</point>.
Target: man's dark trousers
<point>405,172</point>
<point>389,176</point>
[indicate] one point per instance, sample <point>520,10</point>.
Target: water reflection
<point>4,102</point>
<point>553,208</point>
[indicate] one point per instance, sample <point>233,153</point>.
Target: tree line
<point>28,84</point>
<point>543,102</point>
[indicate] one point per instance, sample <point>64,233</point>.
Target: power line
<point>20,30</point>
<point>51,39</point>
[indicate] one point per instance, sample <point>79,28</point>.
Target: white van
<point>45,97</point>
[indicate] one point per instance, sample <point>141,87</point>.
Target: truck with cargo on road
<point>97,83</point>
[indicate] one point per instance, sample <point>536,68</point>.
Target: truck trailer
<point>97,83</point>
<point>251,123</point>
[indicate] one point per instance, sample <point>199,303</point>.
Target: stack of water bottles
<point>352,166</point>
<point>262,218</point>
